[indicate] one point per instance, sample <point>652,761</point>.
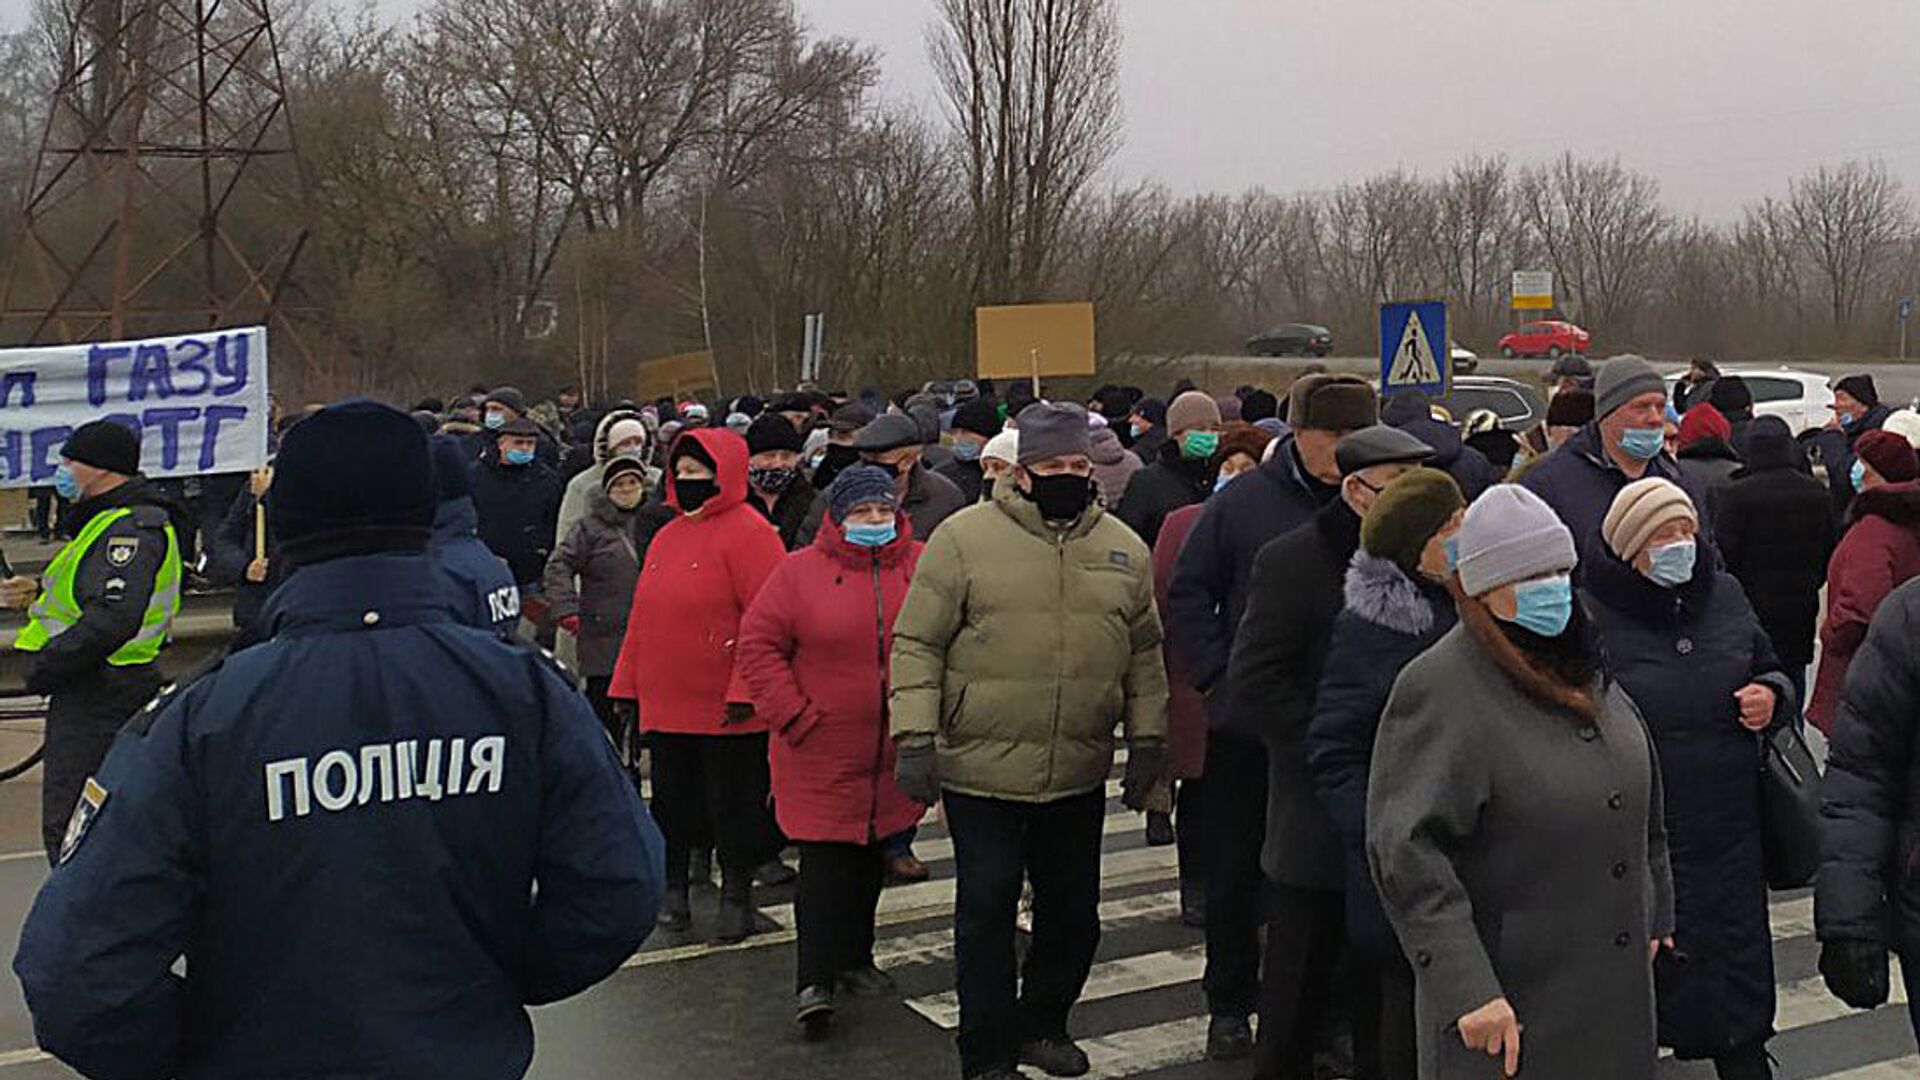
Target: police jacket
<point>113,585</point>
<point>480,583</point>
<point>375,838</point>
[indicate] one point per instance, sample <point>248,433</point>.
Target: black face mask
<point>693,494</point>
<point>836,458</point>
<point>1062,496</point>
<point>773,481</point>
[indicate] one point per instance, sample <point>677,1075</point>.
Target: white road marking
<point>1127,975</point>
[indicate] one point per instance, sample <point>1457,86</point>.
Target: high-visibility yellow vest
<point>56,609</point>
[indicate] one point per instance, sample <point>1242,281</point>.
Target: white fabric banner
<point>199,402</point>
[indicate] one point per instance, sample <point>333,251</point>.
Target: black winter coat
<point>1869,884</point>
<point>229,554</point>
<point>1775,536</point>
<point>1580,481</point>
<point>969,476</point>
<point>1681,654</point>
<point>1292,601</point>
<point>1710,464</point>
<point>1171,482</point>
<point>1210,582</point>
<point>796,513</point>
<point>1468,467</point>
<point>518,506</point>
<point>1389,618</point>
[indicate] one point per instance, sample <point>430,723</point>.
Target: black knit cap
<point>104,444</point>
<point>771,431</point>
<point>451,465</point>
<point>980,416</point>
<point>353,479</point>
<point>1861,387</point>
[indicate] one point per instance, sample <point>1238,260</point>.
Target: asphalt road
<point>682,1009</point>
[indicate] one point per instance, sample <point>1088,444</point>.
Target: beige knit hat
<point>1639,511</point>
<point>1191,410</point>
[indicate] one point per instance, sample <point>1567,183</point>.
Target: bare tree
<point>1848,221</point>
<point>1599,225</point>
<point>1032,92</point>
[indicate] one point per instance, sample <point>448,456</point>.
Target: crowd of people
<point>1457,730</point>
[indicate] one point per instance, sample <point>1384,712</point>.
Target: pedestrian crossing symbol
<point>1414,350</point>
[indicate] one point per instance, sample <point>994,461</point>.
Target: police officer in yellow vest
<point>98,618</point>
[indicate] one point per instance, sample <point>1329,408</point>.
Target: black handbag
<point>1789,809</point>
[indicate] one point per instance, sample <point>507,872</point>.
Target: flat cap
<point>1379,445</point>
<point>889,432</point>
<point>850,417</point>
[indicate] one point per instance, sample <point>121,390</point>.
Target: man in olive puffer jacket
<point>1028,635</point>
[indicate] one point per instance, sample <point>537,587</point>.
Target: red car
<point>1550,338</point>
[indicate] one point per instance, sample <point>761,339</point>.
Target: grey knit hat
<point>1510,535</point>
<point>856,485</point>
<point>1622,379</point>
<point>1053,429</point>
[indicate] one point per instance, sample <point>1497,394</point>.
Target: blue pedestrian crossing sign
<point>1414,348</point>
<point>1415,353</point>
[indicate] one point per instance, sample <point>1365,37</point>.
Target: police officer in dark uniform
<point>484,592</point>
<point>375,837</point>
<point>101,613</point>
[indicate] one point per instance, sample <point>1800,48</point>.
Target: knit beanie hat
<point>1639,511</point>
<point>104,444</point>
<point>510,397</point>
<point>858,484</point>
<point>1407,514</point>
<point>1704,422</point>
<point>1730,394</point>
<point>1622,379</point>
<point>1051,430</point>
<point>625,430</point>
<point>1229,408</point>
<point>1152,410</point>
<point>1004,447</point>
<point>1570,408</point>
<point>1862,389</point>
<point>352,479</point>
<point>452,468</point>
<point>980,416</point>
<point>621,465</point>
<point>1332,403</point>
<point>1258,404</point>
<point>1511,535</point>
<point>1191,410</point>
<point>1888,454</point>
<point>771,431</point>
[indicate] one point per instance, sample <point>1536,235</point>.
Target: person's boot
<point>813,1011</point>
<point>868,981</point>
<point>1055,1057</point>
<point>700,866</point>
<point>675,913</point>
<point>1193,904</point>
<point>906,870</point>
<point>1159,829</point>
<point>1750,1062</point>
<point>735,922</point>
<point>1229,1038</point>
<point>774,872</point>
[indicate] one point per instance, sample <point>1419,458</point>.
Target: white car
<point>1465,360</point>
<point>1801,398</point>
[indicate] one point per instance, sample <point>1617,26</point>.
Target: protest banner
<point>199,402</point>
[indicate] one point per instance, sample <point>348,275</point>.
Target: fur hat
<point>1332,403</point>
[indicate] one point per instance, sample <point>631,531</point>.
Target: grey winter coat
<point>592,575</point>
<point>1113,466</point>
<point>578,499</point>
<point>1520,853</point>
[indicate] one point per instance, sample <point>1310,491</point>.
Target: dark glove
<point>738,712</point>
<point>1856,972</point>
<point>1146,766</point>
<point>916,769</point>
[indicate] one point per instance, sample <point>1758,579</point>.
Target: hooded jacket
<point>813,650</point>
<point>578,500</point>
<point>1710,463</point>
<point>1879,553</point>
<point>1775,535</point>
<point>702,571</point>
<point>1021,647</point>
<point>1468,466</point>
<point>593,571</point>
<point>482,590</point>
<point>1114,466</point>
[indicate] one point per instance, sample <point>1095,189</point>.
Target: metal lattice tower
<point>160,200</point>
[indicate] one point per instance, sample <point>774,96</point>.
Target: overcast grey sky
<point>1722,100</point>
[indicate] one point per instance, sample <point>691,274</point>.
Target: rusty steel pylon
<point>168,193</point>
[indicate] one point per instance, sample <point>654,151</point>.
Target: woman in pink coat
<point>813,651</point>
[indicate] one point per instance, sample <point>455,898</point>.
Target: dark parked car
<point>1292,339</point>
<point>1518,405</point>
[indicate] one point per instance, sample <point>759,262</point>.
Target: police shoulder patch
<point>122,549</point>
<point>85,812</point>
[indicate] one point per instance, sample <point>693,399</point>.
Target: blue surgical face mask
<point>966,450</point>
<point>1643,444</point>
<point>519,457</point>
<point>1137,428</point>
<point>495,419</point>
<point>1544,606</point>
<point>871,536</point>
<point>1220,482</point>
<point>1451,545</point>
<point>1858,474</point>
<point>66,485</point>
<point>1672,565</point>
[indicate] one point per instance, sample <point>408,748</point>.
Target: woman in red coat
<point>1880,551</point>
<point>709,746</point>
<point>813,650</point>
